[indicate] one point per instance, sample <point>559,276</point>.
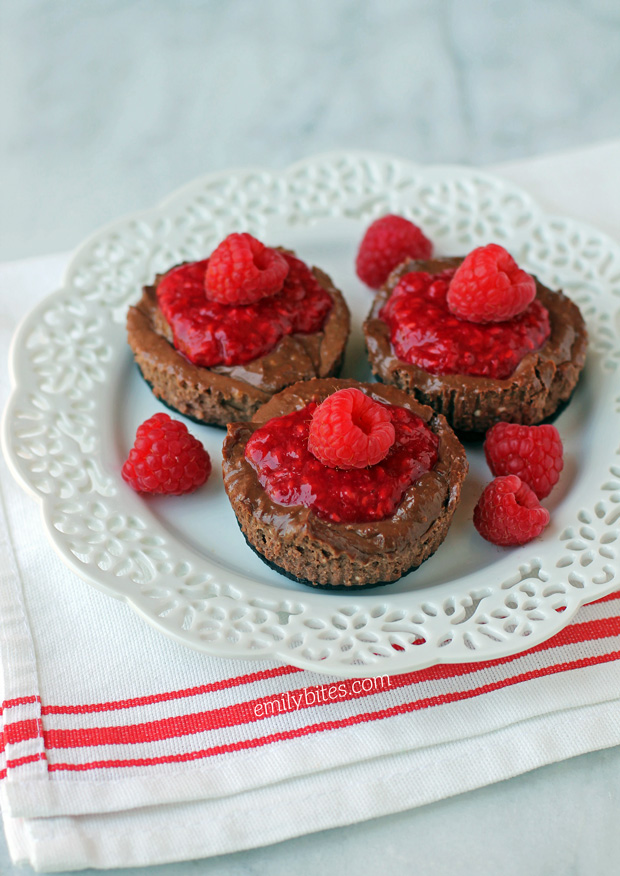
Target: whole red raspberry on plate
<point>387,243</point>
<point>165,458</point>
<point>508,512</point>
<point>489,286</point>
<point>533,453</point>
<point>350,430</point>
<point>243,270</point>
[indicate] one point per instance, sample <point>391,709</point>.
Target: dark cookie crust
<point>539,385</point>
<point>218,396</point>
<point>314,551</point>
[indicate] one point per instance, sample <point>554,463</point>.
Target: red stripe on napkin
<point>236,681</point>
<point>245,712</point>
<point>22,730</point>
<point>19,701</point>
<point>608,598</point>
<point>30,758</point>
<point>415,705</point>
<point>576,632</point>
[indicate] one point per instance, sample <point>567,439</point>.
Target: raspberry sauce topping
<point>426,333</point>
<point>210,333</point>
<point>292,475</point>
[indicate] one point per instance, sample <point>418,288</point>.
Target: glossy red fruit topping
<point>489,286</point>
<point>387,243</point>
<point>509,513</point>
<point>292,475</point>
<point>533,453</point>
<point>425,333</point>
<point>165,458</point>
<point>243,270</point>
<point>211,334</point>
<point>350,430</point>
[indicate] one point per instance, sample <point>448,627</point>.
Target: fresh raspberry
<point>489,286</point>
<point>508,512</point>
<point>243,270</point>
<point>533,453</point>
<point>387,243</point>
<point>165,458</point>
<point>350,430</point>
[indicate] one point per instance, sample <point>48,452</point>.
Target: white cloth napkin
<point>122,748</point>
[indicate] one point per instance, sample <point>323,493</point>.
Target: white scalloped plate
<point>182,562</point>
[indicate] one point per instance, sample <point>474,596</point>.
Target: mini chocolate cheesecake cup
<point>542,381</point>
<point>295,541</point>
<point>220,395</point>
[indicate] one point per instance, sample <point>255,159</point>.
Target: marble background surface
<point>106,106</point>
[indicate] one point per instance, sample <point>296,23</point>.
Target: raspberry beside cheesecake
<point>315,511</point>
